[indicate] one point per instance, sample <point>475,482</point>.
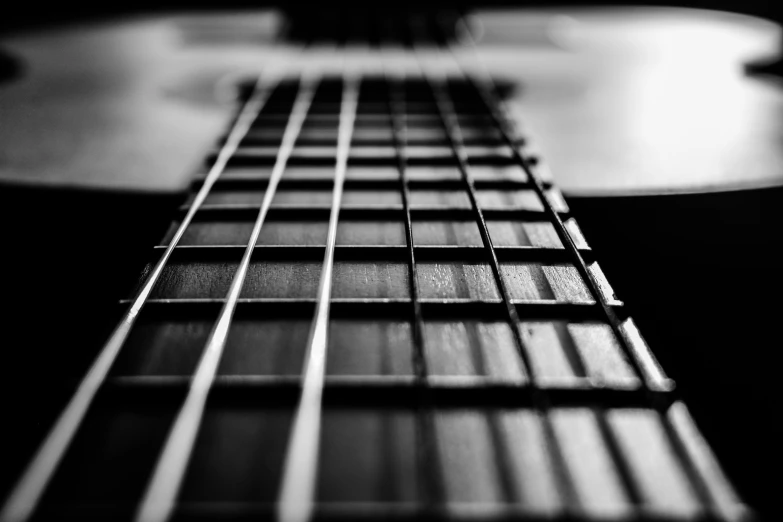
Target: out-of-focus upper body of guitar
<point>618,100</point>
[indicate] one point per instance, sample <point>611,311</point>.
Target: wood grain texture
<point>456,280</point>
<point>282,278</point>
<point>527,281</point>
<point>370,279</point>
<point>222,231</point>
<point>195,279</point>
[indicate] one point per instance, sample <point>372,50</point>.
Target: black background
<point>22,15</point>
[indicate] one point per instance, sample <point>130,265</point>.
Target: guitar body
<point>668,153</point>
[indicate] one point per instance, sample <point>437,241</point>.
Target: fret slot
<point>265,343</point>
<point>433,173</point>
<point>517,199</point>
<point>238,455</point>
<point>186,278</point>
<point>108,464</point>
<point>420,152</point>
<point>535,281</point>
<point>456,280</point>
<point>226,195</point>
<point>370,279</point>
<point>368,456</point>
<point>373,151</point>
<point>289,278</point>
<point>439,198</point>
<point>472,348</point>
<point>299,232</point>
<point>297,172</point>
<point>576,354</point>
<point>453,232</point>
<point>166,341</point>
<point>369,346</point>
<point>654,464</point>
<point>597,482</point>
<point>514,233</point>
<point>470,448</point>
<point>498,173</point>
<point>475,152</point>
<point>370,232</point>
<point>370,173</point>
<point>214,229</point>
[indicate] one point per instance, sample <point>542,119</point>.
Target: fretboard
<point>374,304</point>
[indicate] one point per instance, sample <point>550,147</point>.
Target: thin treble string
<point>296,502</point>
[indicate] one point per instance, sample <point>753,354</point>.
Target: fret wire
<point>446,114</point>
<point>487,89</point>
<point>30,487</point>
<point>163,488</point>
<point>426,452</point>
<point>297,493</point>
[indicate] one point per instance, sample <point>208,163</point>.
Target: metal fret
<point>162,490</point>
<point>297,491</point>
<point>24,498</point>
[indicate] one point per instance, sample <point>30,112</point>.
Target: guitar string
<point>297,492</point>
<point>437,80</point>
<point>30,487</point>
<point>643,363</point>
<point>426,448</point>
<point>160,497</point>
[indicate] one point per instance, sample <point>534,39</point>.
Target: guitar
<point>372,301</point>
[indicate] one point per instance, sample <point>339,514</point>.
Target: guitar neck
<point>374,304</point>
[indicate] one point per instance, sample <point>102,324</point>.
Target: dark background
<point>27,14</point>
